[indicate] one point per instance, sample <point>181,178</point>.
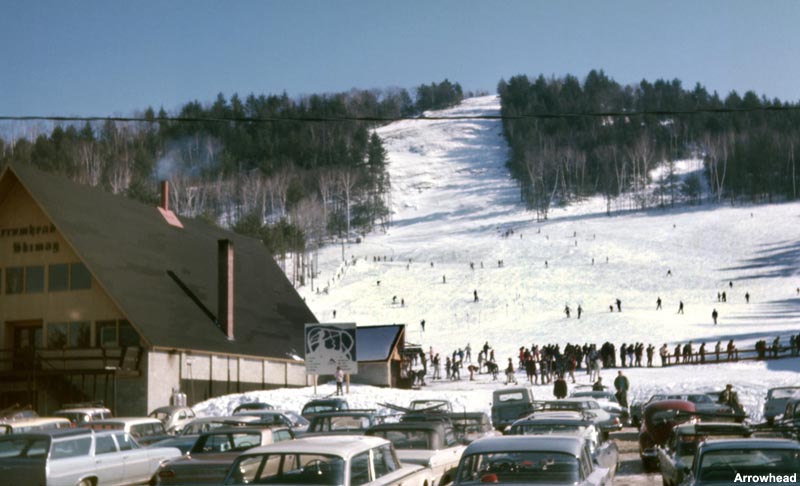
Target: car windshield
<point>319,408</point>
<point>566,405</point>
<point>725,465</point>
<point>15,447</point>
<point>226,442</point>
<point>541,429</point>
<point>783,393</point>
<point>702,399</point>
<point>466,425</point>
<point>688,443</point>
<point>528,467</point>
<point>510,397</point>
<point>296,419</point>
<point>340,423</point>
<point>317,469</point>
<point>407,439</point>
<point>195,428</point>
<point>160,415</point>
<point>423,404</point>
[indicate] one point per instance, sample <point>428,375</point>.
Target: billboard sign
<point>329,346</point>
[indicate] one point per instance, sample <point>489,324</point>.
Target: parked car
<point>322,405</point>
<point>198,425</point>
<point>530,460</point>
<point>144,430</point>
<point>608,401</point>
<point>772,461</point>
<point>509,404</point>
<point>173,417</point>
<point>16,412</point>
<point>659,419</point>
<point>432,444</point>
<point>213,452</point>
<point>81,415</point>
<point>296,422</point>
<point>776,401</point>
<point>183,443</point>
<point>675,458</point>
<point>471,426</point>
<point>557,423</point>
<point>591,409</point>
<point>248,406</point>
<point>342,423</point>
<point>79,457</point>
<point>38,424</point>
<point>342,460</point>
<point>705,404</point>
<point>436,405</point>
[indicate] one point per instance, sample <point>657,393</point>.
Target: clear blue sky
<point>116,57</point>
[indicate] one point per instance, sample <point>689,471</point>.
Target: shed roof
<point>376,343</point>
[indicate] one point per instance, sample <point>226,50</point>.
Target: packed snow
<point>454,204</point>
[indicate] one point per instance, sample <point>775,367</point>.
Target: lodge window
<point>112,333</point>
<point>80,279</point>
<point>68,335</point>
<point>15,279</point>
<point>34,280</point>
<point>58,277</point>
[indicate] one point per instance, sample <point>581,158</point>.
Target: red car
<point>659,419</point>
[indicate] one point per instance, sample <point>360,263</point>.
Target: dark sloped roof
<point>375,343</point>
<point>130,248</point>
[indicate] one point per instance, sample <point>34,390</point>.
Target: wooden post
<point>315,384</point>
<point>347,377</point>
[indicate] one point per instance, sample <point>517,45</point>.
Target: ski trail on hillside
<point>451,171</point>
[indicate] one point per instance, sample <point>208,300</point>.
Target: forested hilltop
<point>288,171</point>
<point>747,142</point>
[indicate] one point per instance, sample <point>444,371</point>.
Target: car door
<point>666,457</point>
<point>109,464</point>
<point>135,458</point>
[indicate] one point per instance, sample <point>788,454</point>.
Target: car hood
<point>205,459</point>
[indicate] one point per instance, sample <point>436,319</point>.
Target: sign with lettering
<point>28,231</point>
<point>329,346</point>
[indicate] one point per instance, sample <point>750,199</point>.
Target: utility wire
<point>375,119</point>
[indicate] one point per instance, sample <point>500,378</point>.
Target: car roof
<point>738,444</point>
<point>433,425</point>
<point>32,422</point>
<point>325,401</point>
<point>345,413</point>
<point>49,433</point>
<point>504,391</point>
<point>127,421</point>
<point>337,445</point>
<point>566,444</point>
<point>239,430</point>
<point>83,410</point>
<point>712,428</point>
<point>169,408</point>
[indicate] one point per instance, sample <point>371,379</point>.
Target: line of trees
<point>747,154</point>
<point>291,182</point>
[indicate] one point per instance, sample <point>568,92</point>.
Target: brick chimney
<point>165,195</point>
<point>163,208</point>
<point>225,287</point>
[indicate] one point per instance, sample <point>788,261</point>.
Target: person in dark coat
<point>560,387</point>
<point>622,385</point>
<point>714,316</point>
<point>598,385</point>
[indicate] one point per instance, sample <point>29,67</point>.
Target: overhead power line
<point>374,119</point>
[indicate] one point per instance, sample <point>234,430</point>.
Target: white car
<point>336,460</point>
<point>78,457</point>
<point>173,418</point>
<point>776,401</point>
<point>34,425</point>
<point>80,415</point>
<point>145,430</point>
<point>432,444</point>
